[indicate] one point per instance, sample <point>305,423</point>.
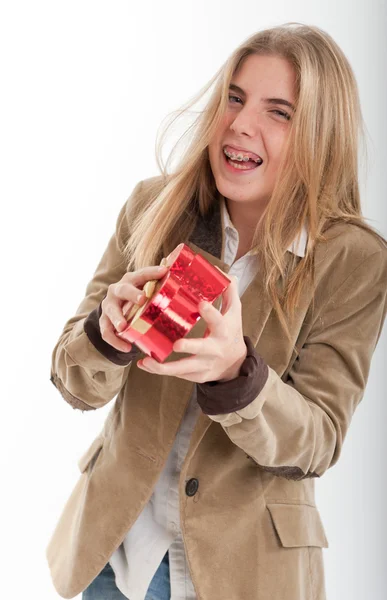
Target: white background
<point>85,86</point>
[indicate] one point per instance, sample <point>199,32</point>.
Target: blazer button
<point>191,487</point>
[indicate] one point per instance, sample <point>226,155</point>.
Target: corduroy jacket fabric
<point>251,528</point>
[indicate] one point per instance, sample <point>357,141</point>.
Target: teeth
<point>240,157</point>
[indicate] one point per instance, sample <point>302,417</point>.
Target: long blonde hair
<point>317,183</point>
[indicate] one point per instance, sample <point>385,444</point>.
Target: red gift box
<point>171,309</point>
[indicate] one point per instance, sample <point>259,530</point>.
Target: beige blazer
<point>252,530</point>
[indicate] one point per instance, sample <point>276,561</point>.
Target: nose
<point>246,123</point>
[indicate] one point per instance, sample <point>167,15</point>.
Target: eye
<point>282,113</point>
<point>236,97</point>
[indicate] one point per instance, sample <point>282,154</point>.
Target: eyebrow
<point>236,88</point>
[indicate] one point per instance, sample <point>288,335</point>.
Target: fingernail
<point>140,297</point>
<point>161,268</point>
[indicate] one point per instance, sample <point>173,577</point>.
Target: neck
<point>245,218</point>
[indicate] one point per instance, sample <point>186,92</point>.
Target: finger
<point>195,376</point>
<point>211,315</point>
<point>107,334</point>
<point>127,291</point>
<point>113,312</point>
<point>226,300</point>
<point>230,296</point>
<point>140,277</point>
<point>201,346</point>
<point>178,368</point>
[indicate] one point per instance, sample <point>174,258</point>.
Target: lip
<point>233,170</point>
<point>248,153</point>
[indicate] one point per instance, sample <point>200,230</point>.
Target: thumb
<point>230,295</point>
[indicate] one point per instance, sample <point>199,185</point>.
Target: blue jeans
<point>103,587</point>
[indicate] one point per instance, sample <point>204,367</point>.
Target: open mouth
<point>240,162</point>
<point>238,166</point>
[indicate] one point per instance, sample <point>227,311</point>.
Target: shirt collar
<point>298,246</point>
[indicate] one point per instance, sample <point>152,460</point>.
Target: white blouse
<point>157,529</point>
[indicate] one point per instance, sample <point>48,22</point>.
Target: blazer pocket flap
<point>298,525</point>
<point>90,453</point>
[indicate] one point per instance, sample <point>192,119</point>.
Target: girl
<point>201,483</point>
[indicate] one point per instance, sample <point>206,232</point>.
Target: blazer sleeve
<point>87,371</point>
<point>296,428</point>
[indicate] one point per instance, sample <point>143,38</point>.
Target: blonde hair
<point>317,183</point>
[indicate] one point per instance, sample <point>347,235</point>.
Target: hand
<point>118,294</point>
<point>219,355</point>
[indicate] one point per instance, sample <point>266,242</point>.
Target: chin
<point>236,191</point>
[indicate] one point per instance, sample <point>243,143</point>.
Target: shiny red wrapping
<point>172,311</point>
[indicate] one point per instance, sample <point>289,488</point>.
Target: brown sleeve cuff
<point>216,398</point>
<point>93,332</point>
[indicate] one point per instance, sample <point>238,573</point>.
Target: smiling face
<point>257,120</point>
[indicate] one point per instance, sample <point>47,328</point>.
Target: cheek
<point>212,153</point>
<point>224,126</point>
<point>213,146</point>
<point>275,143</point>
